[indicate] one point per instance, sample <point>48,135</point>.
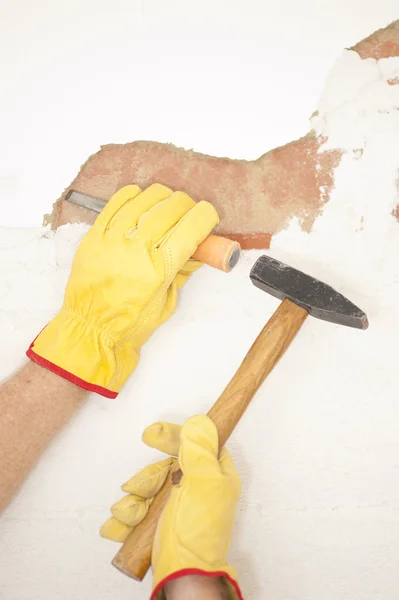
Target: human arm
<point>196,587</point>
<point>124,283</point>
<point>34,405</point>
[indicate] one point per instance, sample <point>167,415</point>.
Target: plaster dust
<point>318,448</point>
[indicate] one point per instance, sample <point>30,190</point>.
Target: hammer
<point>301,295</point>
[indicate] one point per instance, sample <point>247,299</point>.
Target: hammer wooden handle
<point>134,557</point>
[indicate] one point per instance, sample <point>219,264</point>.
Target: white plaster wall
<point>317,451</point>
<point>227,77</point>
<point>318,518</point>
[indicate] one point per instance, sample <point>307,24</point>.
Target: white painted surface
<point>226,77</point>
<point>318,450</point>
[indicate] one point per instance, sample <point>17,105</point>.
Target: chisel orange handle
<point>216,251</point>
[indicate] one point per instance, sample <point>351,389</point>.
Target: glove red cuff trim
<point>90,387</point>
<point>185,572</point>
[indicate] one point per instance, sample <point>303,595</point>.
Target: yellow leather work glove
<point>194,533</point>
<point>123,285</point>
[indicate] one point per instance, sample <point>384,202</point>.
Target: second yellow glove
<point>194,533</point>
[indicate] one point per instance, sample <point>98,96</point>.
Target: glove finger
<point>130,510</point>
<point>199,446</point>
<point>115,530</point>
<point>164,437</point>
<point>228,468</point>
<point>155,224</point>
<point>115,204</point>
<point>184,239</point>
<point>185,273</point>
<point>147,483</point>
<point>128,217</point>
<point>191,266</point>
<point>170,302</point>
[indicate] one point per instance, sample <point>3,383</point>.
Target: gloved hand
<point>123,285</point>
<point>194,532</point>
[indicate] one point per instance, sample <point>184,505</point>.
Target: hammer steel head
<point>318,298</point>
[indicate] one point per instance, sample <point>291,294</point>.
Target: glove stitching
<point>145,313</point>
<point>179,490</point>
<point>138,325</point>
<point>86,323</point>
<point>155,298</point>
<point>156,475</point>
<point>169,265</point>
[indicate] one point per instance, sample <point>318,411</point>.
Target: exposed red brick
<point>71,213</point>
<point>383,43</point>
<point>255,199</point>
<point>248,241</point>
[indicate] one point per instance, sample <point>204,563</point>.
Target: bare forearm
<point>34,405</point>
<point>197,587</point>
